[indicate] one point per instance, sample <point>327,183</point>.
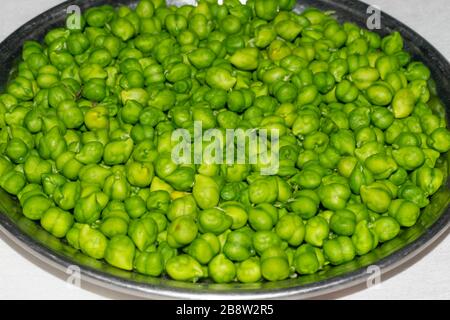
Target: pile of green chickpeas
<point>87,119</point>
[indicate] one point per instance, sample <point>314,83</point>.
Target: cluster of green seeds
<point>87,122</point>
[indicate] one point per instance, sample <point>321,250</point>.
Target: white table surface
<point>426,277</point>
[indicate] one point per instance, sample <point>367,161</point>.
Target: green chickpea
<point>263,190</point>
<point>305,204</point>
<point>381,166</point>
<point>201,250</point>
<point>183,206</point>
<point>364,239</point>
<point>202,58</point>
<point>237,212</point>
<point>376,197</point>
<point>238,246</point>
<point>403,103</point>
<point>440,140</point>
<point>249,271</point>
<point>392,43</point>
<point>274,264</point>
<point>386,228</point>
<point>343,222</point>
<point>143,232</point>
<point>35,206</point>
<point>182,231</point>
<point>409,157</point>
<point>264,35</point>
<point>339,250</point>
<point>16,150</point>
<point>114,226</point>
<point>245,59</point>
<point>67,195</point>
<point>305,124</point>
<point>220,78</point>
<point>92,242</point>
<point>120,252</point>
<point>206,192</point>
<point>291,228</point>
<point>135,206</point>
<point>149,263</point>
<point>122,28</point>
<point>316,231</point>
<point>263,217</point>
<point>308,259</point>
<point>428,179</point>
<point>88,208</point>
<point>405,212</point>
<point>346,91</point>
<point>334,196</point>
<point>184,268</point>
<point>90,153</point>
<point>214,220</point>
<point>221,269</point>
<point>263,240</point>
<point>57,222</point>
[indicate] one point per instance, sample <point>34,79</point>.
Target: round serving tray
<point>433,222</point>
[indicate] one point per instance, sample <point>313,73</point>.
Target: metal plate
<point>433,222</point>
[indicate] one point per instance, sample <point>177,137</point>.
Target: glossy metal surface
<point>433,222</point>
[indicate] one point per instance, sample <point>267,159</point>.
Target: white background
<point>426,277</point>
